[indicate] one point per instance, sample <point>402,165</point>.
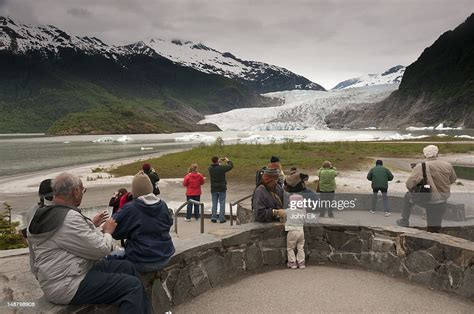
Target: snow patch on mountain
<point>208,60</point>
<point>300,109</point>
<point>391,76</point>
<point>22,38</point>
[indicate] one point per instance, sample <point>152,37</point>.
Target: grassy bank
<point>248,158</point>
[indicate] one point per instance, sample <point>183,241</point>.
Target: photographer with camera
<point>327,187</point>
<point>115,199</point>
<point>217,171</point>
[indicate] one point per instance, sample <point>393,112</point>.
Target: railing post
<point>176,222</point>
<point>231,216</point>
<point>202,217</point>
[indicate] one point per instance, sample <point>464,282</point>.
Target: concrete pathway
<point>322,289</point>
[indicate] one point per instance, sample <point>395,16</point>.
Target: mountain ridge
<point>70,85</point>
<point>262,77</point>
<point>437,88</point>
<point>391,76</point>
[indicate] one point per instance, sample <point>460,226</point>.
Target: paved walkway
<point>324,289</point>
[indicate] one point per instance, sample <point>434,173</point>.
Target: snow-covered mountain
<point>391,76</point>
<point>22,39</point>
<point>208,60</point>
<point>300,109</point>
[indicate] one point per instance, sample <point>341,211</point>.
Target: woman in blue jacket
<point>145,224</point>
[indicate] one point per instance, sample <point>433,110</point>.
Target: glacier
<point>300,109</point>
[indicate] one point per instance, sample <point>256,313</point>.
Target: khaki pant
<point>295,239</point>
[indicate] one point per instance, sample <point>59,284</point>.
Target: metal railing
<point>231,205</point>
<point>181,207</point>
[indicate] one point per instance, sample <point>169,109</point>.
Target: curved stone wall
<point>438,261</point>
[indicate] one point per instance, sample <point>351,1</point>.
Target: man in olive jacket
<point>379,175</point>
<point>219,186</point>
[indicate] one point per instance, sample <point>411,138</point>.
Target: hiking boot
<point>292,265</point>
<point>301,265</point>
<point>403,222</point>
<point>222,221</point>
<point>388,214</point>
<point>213,220</point>
<point>372,211</point>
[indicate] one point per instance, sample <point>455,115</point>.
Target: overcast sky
<point>327,41</point>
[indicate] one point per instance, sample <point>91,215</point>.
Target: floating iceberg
<point>414,128</point>
<point>196,137</point>
<point>441,127</point>
<point>124,138</point>
<point>405,137</point>
<point>465,136</point>
<point>371,128</point>
<point>106,139</point>
<point>146,148</point>
<point>262,139</point>
<point>442,135</point>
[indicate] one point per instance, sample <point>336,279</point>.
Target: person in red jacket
<point>127,197</point>
<point>193,181</point>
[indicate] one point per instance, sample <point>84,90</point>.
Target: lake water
<point>23,153</point>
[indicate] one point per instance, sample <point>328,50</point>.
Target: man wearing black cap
<point>217,171</point>
<point>154,177</point>
<point>379,175</point>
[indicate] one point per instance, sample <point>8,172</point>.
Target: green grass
<point>464,172</point>
<point>247,158</point>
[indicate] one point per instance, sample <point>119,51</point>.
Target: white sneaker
<point>187,220</point>
<point>388,214</point>
<point>372,211</point>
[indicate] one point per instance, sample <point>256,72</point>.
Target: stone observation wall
<point>438,261</point>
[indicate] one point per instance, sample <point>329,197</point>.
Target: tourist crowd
<point>77,260</point>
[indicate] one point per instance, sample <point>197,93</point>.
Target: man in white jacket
<point>69,250</point>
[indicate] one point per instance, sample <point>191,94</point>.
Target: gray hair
<point>64,184</point>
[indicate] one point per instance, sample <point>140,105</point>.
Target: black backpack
<point>259,175</point>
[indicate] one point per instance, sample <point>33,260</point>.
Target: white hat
<point>430,151</point>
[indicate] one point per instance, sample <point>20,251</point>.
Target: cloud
<point>78,12</point>
<point>327,41</point>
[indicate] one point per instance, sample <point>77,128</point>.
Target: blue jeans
<point>189,211</point>
<point>384,198</point>
<point>218,196</point>
<point>114,282</point>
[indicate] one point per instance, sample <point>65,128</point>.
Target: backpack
<point>259,175</point>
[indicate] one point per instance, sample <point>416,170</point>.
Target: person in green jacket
<point>327,187</point>
<point>217,171</point>
<point>379,175</point>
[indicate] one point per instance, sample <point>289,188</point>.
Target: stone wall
<point>438,261</point>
